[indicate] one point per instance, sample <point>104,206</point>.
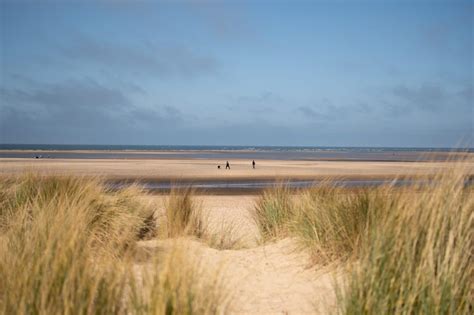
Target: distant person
<point>253,163</point>
<point>227,165</point>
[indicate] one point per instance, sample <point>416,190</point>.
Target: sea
<point>226,152</point>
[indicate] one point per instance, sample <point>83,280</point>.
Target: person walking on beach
<point>227,165</point>
<point>253,163</point>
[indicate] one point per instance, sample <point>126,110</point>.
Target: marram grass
<point>67,247</point>
<point>332,223</point>
<point>408,249</point>
<point>177,283</point>
<point>61,238</point>
<point>183,214</point>
<point>274,212</point>
<point>419,260</point>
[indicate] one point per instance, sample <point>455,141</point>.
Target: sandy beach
<point>197,169</point>
<point>276,277</point>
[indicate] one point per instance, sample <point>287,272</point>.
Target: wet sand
<point>206,170</point>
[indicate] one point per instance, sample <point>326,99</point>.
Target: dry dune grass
<point>274,212</point>
<point>67,247</point>
<point>408,250</point>
<point>184,217</point>
<point>333,223</point>
<point>183,214</point>
<point>330,222</point>
<point>52,231</point>
<point>419,257</point>
<point>178,282</point>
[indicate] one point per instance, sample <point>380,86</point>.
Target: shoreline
<point>240,179</point>
<point>244,154</point>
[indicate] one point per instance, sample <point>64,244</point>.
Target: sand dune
<point>277,277</point>
<point>270,279</point>
<point>274,278</point>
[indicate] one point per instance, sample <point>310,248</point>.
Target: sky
<point>301,73</point>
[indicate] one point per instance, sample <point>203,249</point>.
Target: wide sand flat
<point>195,169</point>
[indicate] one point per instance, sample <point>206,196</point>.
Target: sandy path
<point>270,279</point>
<point>275,279</point>
<point>263,279</point>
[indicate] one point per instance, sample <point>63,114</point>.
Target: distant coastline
<point>102,147</point>
<point>373,154</point>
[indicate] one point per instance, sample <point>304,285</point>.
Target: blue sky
<point>323,73</point>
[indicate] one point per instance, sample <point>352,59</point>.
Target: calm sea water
<point>33,151</point>
<point>69,147</point>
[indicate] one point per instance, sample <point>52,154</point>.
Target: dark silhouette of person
<point>253,163</point>
<point>227,165</point>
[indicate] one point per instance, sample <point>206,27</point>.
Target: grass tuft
<point>179,283</point>
<point>420,256</point>
<point>225,238</point>
<point>61,238</point>
<point>274,212</point>
<point>183,214</point>
<point>67,247</point>
<point>333,222</point>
